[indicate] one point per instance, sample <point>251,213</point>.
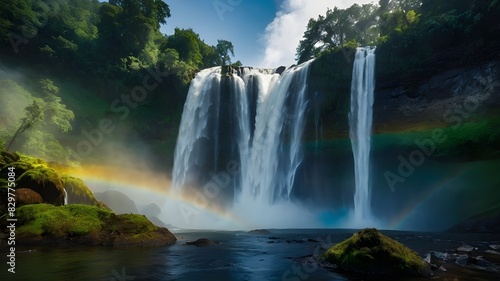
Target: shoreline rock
<point>370,253</point>
<point>76,224</point>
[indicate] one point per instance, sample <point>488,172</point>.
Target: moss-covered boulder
<point>26,196</point>
<point>78,224</point>
<point>78,192</point>
<point>368,252</point>
<point>46,182</point>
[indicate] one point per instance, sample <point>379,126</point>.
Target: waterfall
<point>256,119</point>
<point>275,152</point>
<point>360,122</point>
<point>65,197</point>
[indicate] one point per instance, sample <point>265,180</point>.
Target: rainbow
<point>136,183</point>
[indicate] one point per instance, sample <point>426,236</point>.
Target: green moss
<point>78,192</point>
<point>46,182</point>
<point>131,224</point>
<point>65,221</point>
<point>370,252</point>
<point>89,225</point>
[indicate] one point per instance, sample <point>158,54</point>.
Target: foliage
<point>48,111</point>
<point>223,49</point>
<point>102,48</point>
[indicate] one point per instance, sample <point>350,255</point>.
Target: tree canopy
<point>400,22</point>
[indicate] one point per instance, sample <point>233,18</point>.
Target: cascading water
<point>65,197</point>
<point>275,152</point>
<point>360,122</point>
<point>256,119</point>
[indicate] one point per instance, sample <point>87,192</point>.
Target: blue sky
<point>265,33</point>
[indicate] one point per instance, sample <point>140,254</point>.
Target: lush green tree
<point>50,109</point>
<point>223,49</point>
<point>187,43</point>
<point>33,114</point>
<point>338,28</point>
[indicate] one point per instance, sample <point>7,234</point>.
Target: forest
<point>75,65</point>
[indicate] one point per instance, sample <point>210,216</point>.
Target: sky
<point>265,33</point>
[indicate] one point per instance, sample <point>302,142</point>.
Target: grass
<point>370,252</point>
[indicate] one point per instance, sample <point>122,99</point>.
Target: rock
<point>202,242</point>
<point>46,182</point>
<point>26,196</point>
<point>117,201</point>
<point>480,261</point>
<point>45,224</point>
<point>465,248</point>
<point>280,70</point>
<point>441,268</point>
<point>78,192</point>
<point>151,209</point>
<point>462,260</point>
<point>440,255</point>
<point>484,222</point>
<point>492,252</point>
<point>428,258</point>
<point>259,231</point>
<point>495,247</point>
<point>368,252</point>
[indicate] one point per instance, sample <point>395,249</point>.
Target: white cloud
<point>283,34</point>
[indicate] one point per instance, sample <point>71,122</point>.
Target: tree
<point>155,12</point>
<point>338,28</point>
<point>187,43</point>
<point>48,109</point>
<point>223,49</point>
<point>34,113</point>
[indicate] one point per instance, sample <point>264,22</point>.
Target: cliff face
<point>455,103</point>
<point>450,97</point>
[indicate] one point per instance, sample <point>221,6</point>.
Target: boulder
<point>46,182</point>
<point>462,260</point>
<point>117,201</point>
<point>259,231</point>
<point>370,253</point>
<point>202,242</point>
<point>465,248</point>
<point>78,192</point>
<point>26,196</point>
<point>76,224</point>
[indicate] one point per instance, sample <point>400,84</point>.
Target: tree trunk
<point>15,136</point>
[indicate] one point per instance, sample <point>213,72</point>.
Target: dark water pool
<point>281,255</point>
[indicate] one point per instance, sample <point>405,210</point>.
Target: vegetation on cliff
<point>94,54</point>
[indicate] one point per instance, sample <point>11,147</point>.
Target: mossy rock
<point>78,224</point>
<point>369,252</point>
<point>26,196</point>
<point>46,182</point>
<point>78,192</point>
